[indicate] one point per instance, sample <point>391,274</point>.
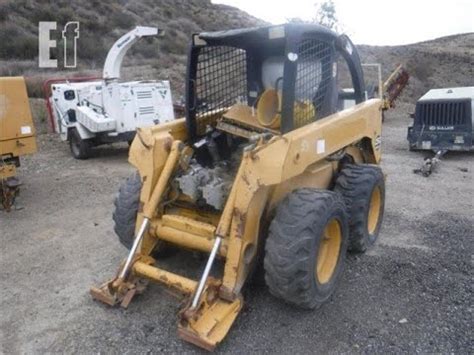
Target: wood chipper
<point>264,174</point>
<point>17,135</point>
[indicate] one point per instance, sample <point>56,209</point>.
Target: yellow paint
<point>17,132</point>
<point>374,210</point>
<point>169,279</point>
<point>328,251</point>
<point>7,171</point>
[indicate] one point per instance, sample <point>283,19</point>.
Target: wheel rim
<point>374,210</point>
<point>328,251</point>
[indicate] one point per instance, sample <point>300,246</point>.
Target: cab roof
<point>246,37</point>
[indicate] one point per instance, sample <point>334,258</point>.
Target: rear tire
<point>363,190</point>
<point>80,148</point>
<point>125,214</point>
<point>306,247</point>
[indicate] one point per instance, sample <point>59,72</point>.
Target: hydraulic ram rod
<point>205,274</point>
<point>133,249</point>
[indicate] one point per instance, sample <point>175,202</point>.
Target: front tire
<point>363,189</point>
<point>126,209</point>
<point>80,148</point>
<point>125,214</point>
<point>306,247</point>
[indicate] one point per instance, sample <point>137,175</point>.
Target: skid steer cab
<point>266,174</point>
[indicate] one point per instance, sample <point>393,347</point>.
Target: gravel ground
<point>411,293</point>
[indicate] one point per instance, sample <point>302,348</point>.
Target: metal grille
<point>313,78</point>
<point>146,110</point>
<point>449,113</point>
<point>221,79</point>
<point>144,95</point>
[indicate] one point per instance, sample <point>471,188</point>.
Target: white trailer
<point>105,111</point>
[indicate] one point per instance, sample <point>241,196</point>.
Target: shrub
<point>147,49</point>
<point>175,42</point>
<point>15,44</point>
<point>44,13</point>
<point>16,68</point>
<point>4,12</point>
<point>90,47</point>
<point>421,68</point>
<point>34,86</point>
<point>184,25</point>
<point>122,20</point>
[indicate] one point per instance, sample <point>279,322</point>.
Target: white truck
<point>105,111</point>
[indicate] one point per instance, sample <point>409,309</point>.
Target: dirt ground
<point>411,293</point>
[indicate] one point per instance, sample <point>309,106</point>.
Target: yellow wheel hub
<point>328,251</point>
<point>374,210</point>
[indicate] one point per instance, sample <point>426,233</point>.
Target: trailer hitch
<point>430,164</point>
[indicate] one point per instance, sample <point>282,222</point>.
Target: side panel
<point>18,147</point>
<point>318,175</point>
<point>16,124</point>
<point>291,154</point>
<point>145,104</point>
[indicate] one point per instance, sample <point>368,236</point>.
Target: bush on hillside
<point>122,20</point>
<point>15,44</point>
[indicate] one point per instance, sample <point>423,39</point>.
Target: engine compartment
<point>208,179</point>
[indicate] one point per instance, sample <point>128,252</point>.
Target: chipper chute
<point>295,187</point>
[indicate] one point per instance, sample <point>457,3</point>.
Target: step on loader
<point>264,175</point>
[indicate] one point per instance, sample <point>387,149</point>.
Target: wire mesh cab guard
<point>231,67</point>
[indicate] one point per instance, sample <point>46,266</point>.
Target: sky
<point>375,22</point>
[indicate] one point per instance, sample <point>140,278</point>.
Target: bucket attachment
<point>112,294</point>
<point>119,290</point>
<point>204,325</point>
<point>210,323</point>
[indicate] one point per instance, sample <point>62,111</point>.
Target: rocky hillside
<point>101,23</point>
<point>442,62</point>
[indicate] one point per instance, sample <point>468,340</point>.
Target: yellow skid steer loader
<point>262,168</point>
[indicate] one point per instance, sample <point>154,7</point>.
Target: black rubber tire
<point>293,242</point>
<point>80,148</point>
<point>126,204</point>
<point>356,184</point>
<point>126,209</point>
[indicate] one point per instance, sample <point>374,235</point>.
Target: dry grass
<point>443,62</point>
<point>102,22</point>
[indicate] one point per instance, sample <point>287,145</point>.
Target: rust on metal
<point>8,193</point>
<point>227,294</point>
<point>142,141</point>
<point>128,298</point>
<point>101,294</point>
<point>195,339</point>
